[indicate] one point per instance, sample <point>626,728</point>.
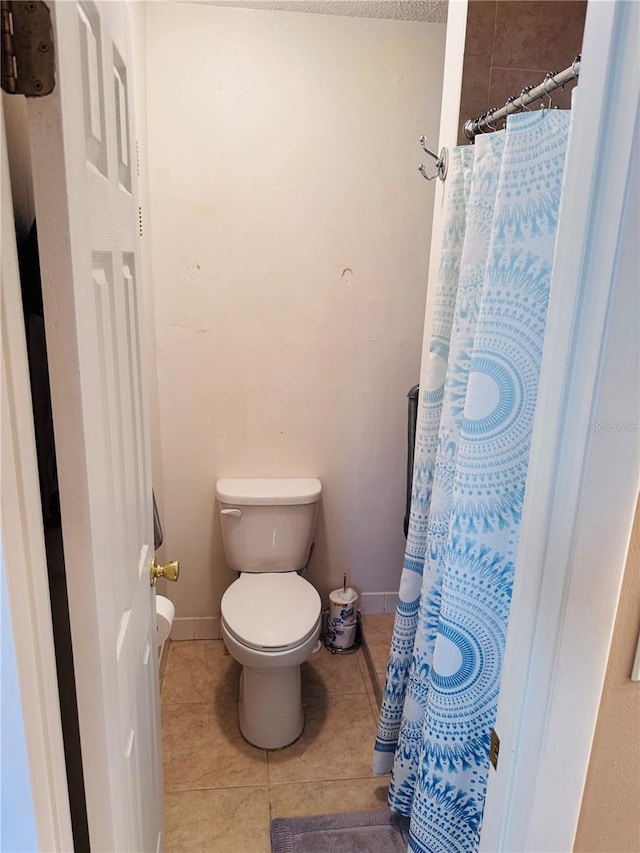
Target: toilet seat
<point>271,611</point>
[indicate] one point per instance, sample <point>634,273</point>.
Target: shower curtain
<point>478,399</point>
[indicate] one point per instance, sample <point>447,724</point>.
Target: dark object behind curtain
<point>412,416</point>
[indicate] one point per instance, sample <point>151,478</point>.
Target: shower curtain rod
<point>553,80</point>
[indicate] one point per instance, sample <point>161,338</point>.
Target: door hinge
<point>494,749</point>
<point>28,66</point>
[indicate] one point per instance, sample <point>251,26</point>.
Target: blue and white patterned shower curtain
<point>478,399</point>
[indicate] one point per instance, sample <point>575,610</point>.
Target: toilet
<point>270,616</point>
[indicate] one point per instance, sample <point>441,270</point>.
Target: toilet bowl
<point>270,615</point>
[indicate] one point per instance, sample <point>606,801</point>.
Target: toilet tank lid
<point>259,492</point>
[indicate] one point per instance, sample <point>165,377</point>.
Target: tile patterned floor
<point>221,792</point>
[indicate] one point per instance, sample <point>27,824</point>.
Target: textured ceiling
<point>432,11</point>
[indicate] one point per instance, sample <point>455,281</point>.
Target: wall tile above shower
<point>530,34</point>
<point>513,43</point>
<point>481,22</point>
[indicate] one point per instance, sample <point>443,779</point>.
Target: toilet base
<point>270,710</point>
<point>270,699</point>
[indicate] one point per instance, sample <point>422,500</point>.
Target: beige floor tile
<point>327,673</point>
<point>296,799</point>
<point>378,630</point>
<point>203,748</point>
<point>232,820</point>
<point>217,796</point>
<point>199,671</point>
<point>337,742</point>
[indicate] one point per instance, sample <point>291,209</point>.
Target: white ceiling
<point>432,11</point>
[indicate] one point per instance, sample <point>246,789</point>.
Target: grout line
<point>269,801</point>
<point>333,779</point>
<point>374,710</point>
<point>495,27</point>
<point>340,779</point>
<point>215,788</point>
<point>537,71</point>
<point>493,50</point>
<point>270,783</point>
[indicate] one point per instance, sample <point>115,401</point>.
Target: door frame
<point>447,138</point>
<point>25,556</point>
<point>583,488</point>
<point>525,810</point>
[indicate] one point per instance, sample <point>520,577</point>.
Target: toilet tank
<point>268,524</point>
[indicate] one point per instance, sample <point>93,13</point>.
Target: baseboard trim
<point>208,627</point>
<point>196,628</point>
<point>378,602</point>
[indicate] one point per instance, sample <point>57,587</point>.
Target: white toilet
<point>271,616</point>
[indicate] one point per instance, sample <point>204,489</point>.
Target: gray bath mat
<point>379,831</point>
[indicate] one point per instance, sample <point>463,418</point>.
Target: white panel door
<point>85,185</point>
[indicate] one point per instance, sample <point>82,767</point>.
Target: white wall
<point>290,243</point>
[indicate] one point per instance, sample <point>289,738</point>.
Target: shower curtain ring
<point>480,123</point>
<point>524,92</point>
<point>578,58</point>
<point>492,124</point>
<point>547,79</point>
<point>507,103</point>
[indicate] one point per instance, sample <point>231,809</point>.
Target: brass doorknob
<point>171,571</point>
